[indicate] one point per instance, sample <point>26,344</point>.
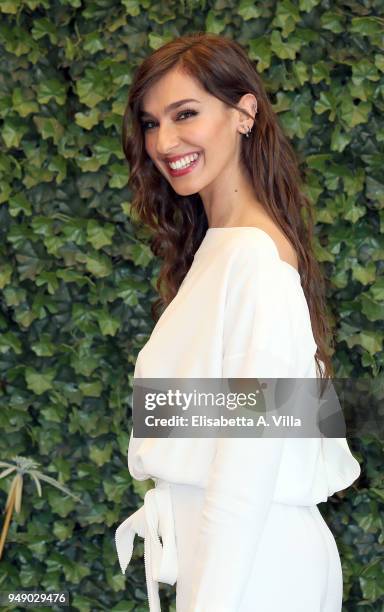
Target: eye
<point>187,111</point>
<point>146,125</point>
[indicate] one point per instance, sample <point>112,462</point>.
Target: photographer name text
<point>222,421</point>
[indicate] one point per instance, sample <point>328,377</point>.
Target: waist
<point>152,521</point>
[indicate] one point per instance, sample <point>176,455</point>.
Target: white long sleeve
<point>244,471</point>
<point>240,490</point>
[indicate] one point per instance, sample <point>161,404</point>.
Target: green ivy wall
<point>77,279</point>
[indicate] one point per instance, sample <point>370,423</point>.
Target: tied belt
<point>153,519</point>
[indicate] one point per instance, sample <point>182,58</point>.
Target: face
<point>204,127</point>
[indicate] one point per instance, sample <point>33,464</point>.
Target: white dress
<point>238,518</point>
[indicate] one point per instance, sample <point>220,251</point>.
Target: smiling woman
<point>217,181</point>
<point>183,101</point>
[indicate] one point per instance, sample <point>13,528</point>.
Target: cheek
<point>150,149</point>
<point>217,138</point>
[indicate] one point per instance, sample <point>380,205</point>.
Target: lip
<point>182,171</point>
<point>176,157</point>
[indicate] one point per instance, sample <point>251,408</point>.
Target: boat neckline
<point>264,233</point>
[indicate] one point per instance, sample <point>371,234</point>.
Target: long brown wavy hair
<point>178,223</point>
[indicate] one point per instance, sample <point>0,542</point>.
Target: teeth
<point>184,162</point>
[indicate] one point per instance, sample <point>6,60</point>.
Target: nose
<point>167,139</point>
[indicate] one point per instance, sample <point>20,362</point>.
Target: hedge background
<point>77,279</point>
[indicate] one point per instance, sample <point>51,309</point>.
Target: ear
<point>247,102</point>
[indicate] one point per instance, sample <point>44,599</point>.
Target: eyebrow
<point>170,106</point>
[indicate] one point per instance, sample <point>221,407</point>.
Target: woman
<point>238,519</point>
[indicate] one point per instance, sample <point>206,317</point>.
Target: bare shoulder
<point>286,250</point>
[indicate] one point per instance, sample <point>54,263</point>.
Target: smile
<point>183,165</point>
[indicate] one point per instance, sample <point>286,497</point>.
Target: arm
<point>244,471</point>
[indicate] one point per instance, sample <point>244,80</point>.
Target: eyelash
<point>185,111</point>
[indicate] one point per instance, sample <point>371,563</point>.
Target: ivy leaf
<point>50,279</point>
<point>320,72</point>
<point>10,6</point>
<point>58,164</point>
<point>260,50</point>
<point>9,341</point>
<point>340,139</point>
<point>29,263</point>
<point>63,529</point>
<point>373,310</point>
<point>326,102</point>
<point>44,347</point>
<point>366,26</point>
<point>99,235</point>
<point>364,69</point>
<point>120,75</point>
<point>283,102</point>
<point>117,583</point>
<point>49,127</point>
<point>286,49</point>
<point>12,131</point>
<point>323,254</point>
<point>308,5</point>
<point>155,40</point>
<point>51,89</point>
<point>56,414</point>
<point>371,578</point>
<point>332,21</point>
<point>141,254</point>
<point>286,17</point>
<point>92,43</point>
<point>100,456</point>
<point>74,571</point>
<point>354,181</point>
<point>379,61</point>
<point>23,102</point>
<point>44,27</point>
<point>108,325</point>
<point>5,274</point>
<point>19,204</point>
<point>354,213</point>
<point>75,231</point>
<point>375,190</point>
<point>118,486</point>
<point>107,146</point>
<point>364,274</point>
<point>99,265</point>
<point>127,292</point>
<point>120,176</point>
<point>39,382</point>
<point>297,122</point>
<point>132,7</point>
<point>301,72</point>
<point>88,120</point>
<point>88,164</point>
<point>142,486</point>
<point>93,87</point>
<point>377,290</point>
<point>213,24</point>
<point>248,10</point>
<point>371,341</point>
<point>91,389</point>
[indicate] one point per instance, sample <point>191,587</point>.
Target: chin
<point>185,192</point>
